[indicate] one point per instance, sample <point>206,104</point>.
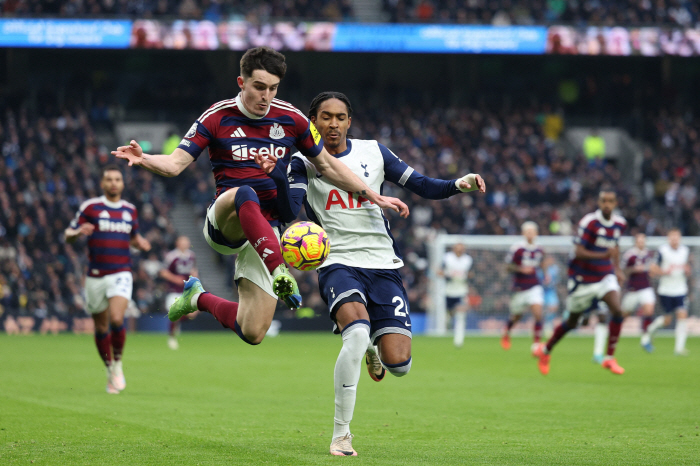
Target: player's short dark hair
<point>111,168</point>
<point>607,191</point>
<point>323,96</point>
<point>263,58</point>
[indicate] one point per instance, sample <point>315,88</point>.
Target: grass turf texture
<point>219,401</point>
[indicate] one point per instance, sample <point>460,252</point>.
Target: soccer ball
<point>305,246</point>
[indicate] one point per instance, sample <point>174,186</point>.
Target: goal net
<point>490,283</point>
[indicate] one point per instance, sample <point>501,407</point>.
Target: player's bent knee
<point>400,369</point>
<point>243,195</point>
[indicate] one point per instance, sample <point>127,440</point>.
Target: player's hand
<point>471,182</point>
<point>397,205</point>
<point>133,153</point>
<point>267,163</point>
<point>86,229</point>
<point>620,276</point>
<point>142,243</point>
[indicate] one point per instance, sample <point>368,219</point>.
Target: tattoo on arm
<point>364,192</point>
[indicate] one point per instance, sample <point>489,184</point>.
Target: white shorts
<point>581,295</point>
<point>249,265</point>
<point>633,299</point>
<point>522,300</point>
<point>98,290</point>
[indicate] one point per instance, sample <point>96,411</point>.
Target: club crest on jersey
<point>276,131</point>
<point>192,131</point>
<point>364,167</point>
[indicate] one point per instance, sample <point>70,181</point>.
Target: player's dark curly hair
<point>263,58</point>
<point>323,96</point>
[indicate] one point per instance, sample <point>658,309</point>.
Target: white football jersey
<point>358,231</point>
<point>675,284</point>
<point>456,269</point>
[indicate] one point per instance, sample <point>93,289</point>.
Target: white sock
<point>193,301</point>
<point>600,338</point>
<point>681,334</point>
<point>460,324</point>
<point>654,326</point>
<point>347,375</point>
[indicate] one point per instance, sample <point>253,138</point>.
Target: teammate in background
<point>359,280</point>
<point>243,217</point>
<point>456,267</point>
<point>111,226</point>
<point>179,264</point>
<point>640,293</point>
<point>673,270</point>
<point>549,277</point>
<point>524,260</point>
<point>594,273</point>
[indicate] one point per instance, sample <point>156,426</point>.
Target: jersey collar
<point>601,219</point>
<point>244,111</point>
<point>108,203</point>
<point>346,151</point>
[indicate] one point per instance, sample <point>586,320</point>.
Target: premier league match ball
<point>305,246</point>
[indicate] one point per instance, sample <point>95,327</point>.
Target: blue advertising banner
<point>69,33</point>
<point>439,38</point>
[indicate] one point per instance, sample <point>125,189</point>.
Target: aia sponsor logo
<point>345,201</point>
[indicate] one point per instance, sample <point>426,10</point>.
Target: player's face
<point>640,240</point>
<point>112,183</point>
<point>258,90</point>
<point>183,243</point>
<point>332,121</point>
<point>530,233</point>
<point>674,239</point>
<point>459,249</point>
<point>607,203</point>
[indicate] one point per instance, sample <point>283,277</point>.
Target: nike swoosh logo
<point>348,386</point>
<point>407,324</point>
<point>318,175</point>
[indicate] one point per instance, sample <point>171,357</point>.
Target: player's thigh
<point>349,312</point>
<point>256,307</point>
<point>388,307</point>
<point>394,348</point>
<point>227,221</point>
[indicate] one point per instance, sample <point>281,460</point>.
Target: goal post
<point>490,282</point>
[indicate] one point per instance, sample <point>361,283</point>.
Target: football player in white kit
<point>673,270</point>
<point>456,267</point>
<point>359,280</point>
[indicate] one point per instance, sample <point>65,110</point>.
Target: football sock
<point>173,329</point>
<point>509,326</point>
<point>600,335</point>
<point>614,327</point>
<point>256,229</point>
<point>460,324</point>
<point>646,322</point>
<point>104,347</point>
<point>681,334</point>
<point>224,311</point>
<point>347,374</point>
<point>400,369</point>
<point>118,340</point>
<point>656,324</point>
<point>559,333</point>
<point>537,332</point>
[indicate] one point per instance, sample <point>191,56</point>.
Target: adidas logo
<point>266,252</point>
<point>238,133</point>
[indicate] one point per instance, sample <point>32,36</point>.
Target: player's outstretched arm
<point>342,177</point>
<point>164,165</point>
<point>399,172</point>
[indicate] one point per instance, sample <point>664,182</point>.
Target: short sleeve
<point>135,223</point>
<point>82,216</point>
<point>308,140</point>
<point>198,137</point>
<point>585,236</point>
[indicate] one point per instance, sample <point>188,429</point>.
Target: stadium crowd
<point>50,164</point>
<point>212,10</point>
<point>525,12</point>
<point>528,176</point>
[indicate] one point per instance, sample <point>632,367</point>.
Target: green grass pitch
<point>219,401</point>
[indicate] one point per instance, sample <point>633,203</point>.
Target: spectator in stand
<point>594,148</point>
